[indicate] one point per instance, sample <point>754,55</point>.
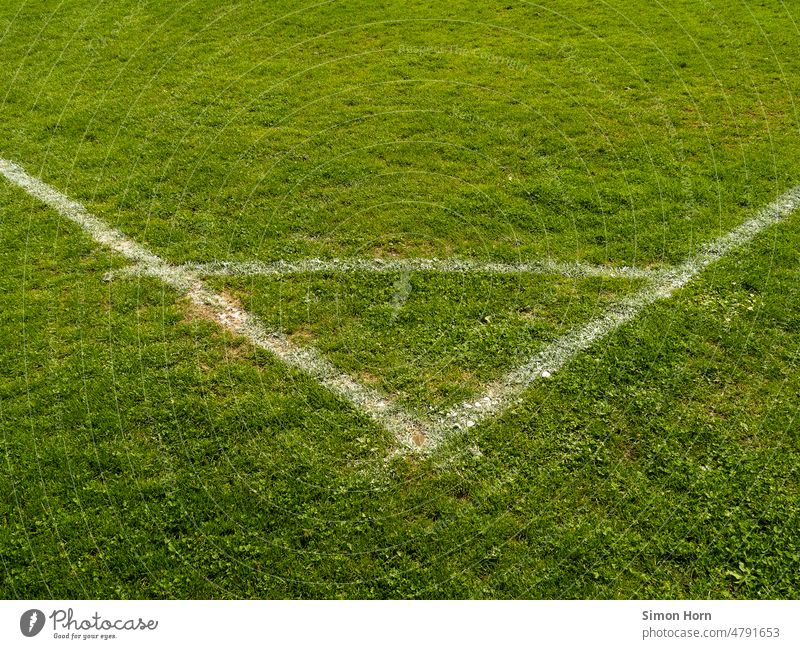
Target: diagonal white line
<point>277,268</point>
<point>408,429</point>
<point>500,394</point>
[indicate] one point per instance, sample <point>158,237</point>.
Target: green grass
<point>431,339</point>
<point>146,453</point>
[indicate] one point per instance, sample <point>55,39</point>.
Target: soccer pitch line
<point>413,431</point>
<point>413,265</point>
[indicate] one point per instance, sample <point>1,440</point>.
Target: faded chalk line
<point>413,431</point>
<point>401,266</point>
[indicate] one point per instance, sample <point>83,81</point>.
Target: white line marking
<point>412,431</point>
<point>500,394</point>
<point>406,428</point>
<point>544,267</point>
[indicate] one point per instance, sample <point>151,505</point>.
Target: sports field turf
<point>149,452</point>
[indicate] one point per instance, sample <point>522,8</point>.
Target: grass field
<point>148,452</point>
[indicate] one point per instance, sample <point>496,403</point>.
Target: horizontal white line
<point>352,265</point>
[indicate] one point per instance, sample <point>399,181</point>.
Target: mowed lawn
<point>147,453</point>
